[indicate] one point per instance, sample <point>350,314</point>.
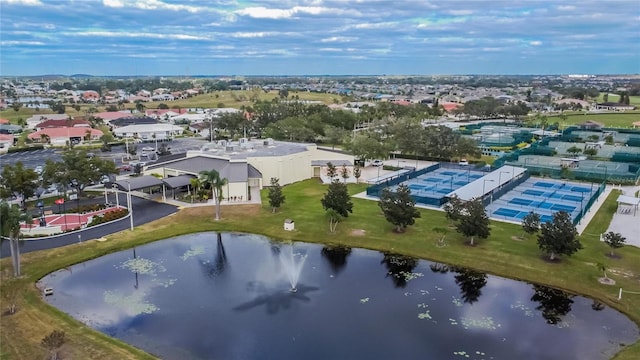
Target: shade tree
<point>531,223</point>
<point>275,195</point>
<point>559,237</point>
<point>337,198</point>
<point>18,180</point>
<point>398,207</point>
<point>473,221</point>
<point>614,240</point>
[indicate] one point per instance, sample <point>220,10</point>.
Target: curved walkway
<point>144,211</point>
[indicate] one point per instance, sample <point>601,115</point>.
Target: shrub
<point>108,216</point>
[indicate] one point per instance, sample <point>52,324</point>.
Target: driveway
<point>144,211</point>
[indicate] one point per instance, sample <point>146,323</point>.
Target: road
<point>144,211</point>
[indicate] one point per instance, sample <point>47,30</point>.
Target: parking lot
<point>30,159</point>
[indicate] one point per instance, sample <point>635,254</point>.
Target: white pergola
<point>628,203</point>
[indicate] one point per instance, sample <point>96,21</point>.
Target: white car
<point>148,148</point>
<point>463,162</point>
<point>376,163</point>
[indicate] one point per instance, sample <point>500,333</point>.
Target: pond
<point>228,296</point>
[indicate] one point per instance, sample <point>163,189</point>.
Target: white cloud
<point>113,3</point>
<point>460,12</point>
<point>23,2</point>
<point>261,12</point>
<point>565,7</point>
<point>153,5</point>
<point>137,35</point>
<point>257,34</point>
<point>535,43</point>
<point>18,42</point>
<point>339,39</point>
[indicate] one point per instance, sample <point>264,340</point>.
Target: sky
<point>319,37</point>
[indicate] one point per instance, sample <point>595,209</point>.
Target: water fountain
<point>292,264</point>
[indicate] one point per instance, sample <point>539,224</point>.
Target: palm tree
<point>212,179</point>
<point>10,218</point>
<point>195,186</point>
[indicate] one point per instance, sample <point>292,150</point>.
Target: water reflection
<point>336,256</point>
<point>399,268</point>
<point>554,303</point>
<point>597,305</point>
<point>470,283</point>
<point>468,280</point>
<point>219,264</point>
<point>276,300</point>
<point>179,312</point>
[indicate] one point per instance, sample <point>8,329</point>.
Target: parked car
<point>463,162</point>
<point>376,163</point>
<point>125,167</point>
<point>148,148</point>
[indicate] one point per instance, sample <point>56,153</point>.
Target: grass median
<point>22,332</point>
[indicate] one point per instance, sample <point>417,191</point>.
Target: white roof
<point>625,199</point>
<point>190,117</point>
<point>488,183</point>
<point>144,128</point>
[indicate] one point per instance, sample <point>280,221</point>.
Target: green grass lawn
<point>21,333</point>
<point>618,120</point>
<point>228,98</point>
<point>633,100</point>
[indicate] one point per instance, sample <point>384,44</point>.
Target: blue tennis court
<point>519,215</point>
<point>560,207</point>
<point>533,192</point>
<point>450,173</point>
<point>572,198</point>
<point>580,189</point>
<point>544,197</point>
<point>432,179</point>
<point>520,201</point>
<point>416,187</point>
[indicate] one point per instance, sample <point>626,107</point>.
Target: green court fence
<point>590,203</point>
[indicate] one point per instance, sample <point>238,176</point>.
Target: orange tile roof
<point>65,132</point>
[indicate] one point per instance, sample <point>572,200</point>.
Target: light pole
<point>484,182</point>
<point>605,171</point>
<point>130,206</point>
<point>500,177</point>
<point>40,206</point>
<point>77,186</point>
<point>106,200</point>
<point>115,186</point>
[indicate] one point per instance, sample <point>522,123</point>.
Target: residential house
<point>64,135</point>
<point>62,123</point>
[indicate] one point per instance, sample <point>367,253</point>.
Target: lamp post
<point>130,206</point>
<point>76,184</point>
<point>605,171</point>
<point>115,186</point>
<point>500,177</point>
<point>484,182</point>
<point>40,206</point>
